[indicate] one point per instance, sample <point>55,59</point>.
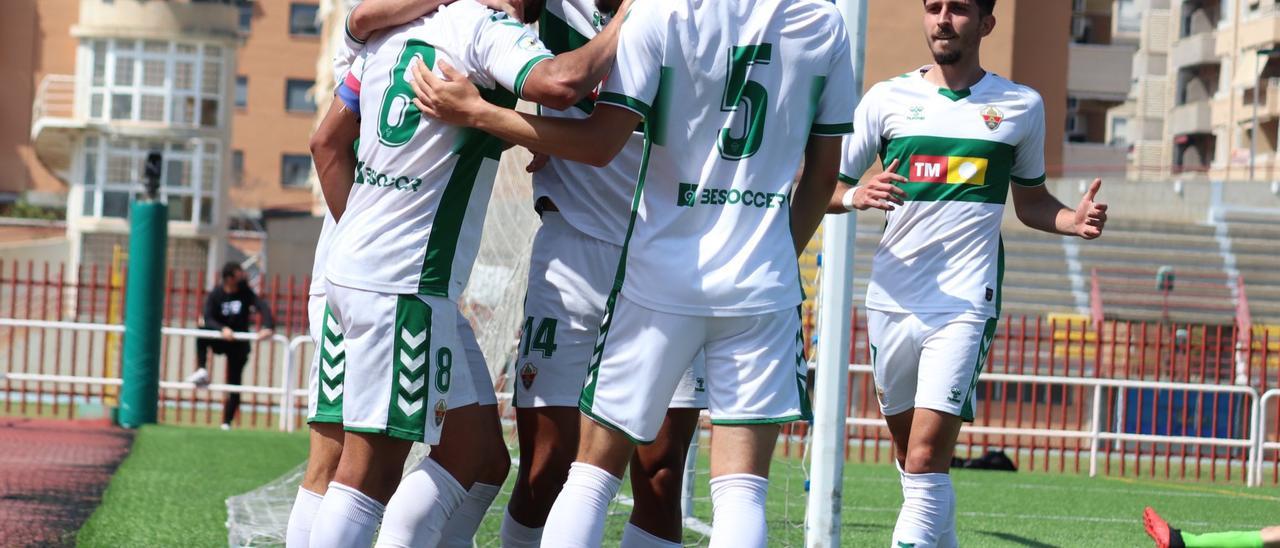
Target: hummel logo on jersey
<point>951,170</point>
<point>917,113</point>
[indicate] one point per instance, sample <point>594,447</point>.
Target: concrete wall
<point>51,250</point>
<point>291,245</point>
<point>1158,200</point>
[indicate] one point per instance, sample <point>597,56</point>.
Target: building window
<point>246,17</point>
<point>296,97</point>
<point>295,170</point>
<point>1119,131</point>
<point>242,91</point>
<point>237,167</point>
<point>172,83</point>
<point>112,176</point>
<point>302,20</point>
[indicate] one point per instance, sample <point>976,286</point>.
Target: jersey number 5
<point>739,90</point>
<point>399,119</point>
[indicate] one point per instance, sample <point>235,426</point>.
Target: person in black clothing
<point>227,309</point>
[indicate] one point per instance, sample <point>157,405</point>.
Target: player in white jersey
<point>584,211</point>
<point>732,95</point>
<point>338,160</point>
<point>953,137</point>
<point>407,235</point>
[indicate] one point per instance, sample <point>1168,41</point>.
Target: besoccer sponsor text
<point>689,196</point>
<point>370,176</point>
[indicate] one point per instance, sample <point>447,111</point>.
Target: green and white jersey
<point>413,221</point>
<point>730,92</point>
<point>941,251</point>
<point>593,200</point>
<point>327,228</point>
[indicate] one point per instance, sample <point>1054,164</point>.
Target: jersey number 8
<point>399,118</point>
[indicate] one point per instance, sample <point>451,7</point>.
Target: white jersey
<point>941,251</point>
<point>413,221</point>
<point>322,254</point>
<point>592,200</point>
<point>730,92</point>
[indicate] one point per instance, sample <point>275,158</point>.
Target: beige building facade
<point>1205,102</point>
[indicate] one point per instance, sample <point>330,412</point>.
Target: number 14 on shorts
<point>542,339</point>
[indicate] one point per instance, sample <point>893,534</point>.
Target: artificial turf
<point>171,491</point>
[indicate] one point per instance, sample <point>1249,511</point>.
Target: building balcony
<point>1100,71</point>
<point>1191,118</point>
<point>1197,49</point>
<point>194,20</point>
<point>1268,106</point>
<point>1259,30</point>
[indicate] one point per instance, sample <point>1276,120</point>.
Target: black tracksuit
<point>222,309</point>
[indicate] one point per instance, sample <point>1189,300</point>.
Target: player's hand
<point>881,192</point>
<point>265,333</point>
<point>451,99</point>
<point>538,162</point>
<point>228,334</point>
<point>1091,215</point>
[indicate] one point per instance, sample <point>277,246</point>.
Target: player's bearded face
<point>954,28</point>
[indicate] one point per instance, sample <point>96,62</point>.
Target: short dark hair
<point>229,269</point>
<point>985,7</point>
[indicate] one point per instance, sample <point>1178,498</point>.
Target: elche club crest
<point>527,374</point>
<point>441,409</point>
<point>992,117</point>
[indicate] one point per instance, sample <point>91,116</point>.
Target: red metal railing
<point>1024,345</point>
<point>33,291</point>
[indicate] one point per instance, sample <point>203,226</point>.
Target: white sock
<point>737,511</point>
<point>460,532</point>
<point>926,510</point>
<point>303,514</point>
<point>635,537</point>
<point>951,539</point>
<point>418,511</point>
<point>346,518</point>
<point>515,535</point>
<point>577,517</point>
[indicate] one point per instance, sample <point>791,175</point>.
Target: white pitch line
<point>1136,520</point>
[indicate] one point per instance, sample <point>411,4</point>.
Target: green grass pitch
<point>172,488</point>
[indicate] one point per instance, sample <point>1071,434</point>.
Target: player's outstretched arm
<point>565,79</point>
<point>334,155</point>
<point>374,15</point>
<point>1039,209</point>
<point>878,192</point>
<point>594,140</point>
<point>813,192</point>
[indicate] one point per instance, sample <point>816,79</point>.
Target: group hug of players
<point>664,278</point>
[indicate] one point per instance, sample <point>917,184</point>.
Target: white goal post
<point>835,308</point>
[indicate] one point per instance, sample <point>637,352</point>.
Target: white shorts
<point>755,368</point>
<point>404,363</point>
<point>570,277</point>
<point>929,361</point>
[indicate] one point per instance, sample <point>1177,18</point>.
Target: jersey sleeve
<point>507,51</point>
<point>861,146</point>
<point>345,54</point>
<point>1028,155</point>
<point>834,103</point>
<point>349,86</point>
<point>633,82</point>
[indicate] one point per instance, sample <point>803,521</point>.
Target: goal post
<point>835,310</point>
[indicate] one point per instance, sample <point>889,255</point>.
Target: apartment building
<point>1205,101</point>
<point>1104,38</point>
